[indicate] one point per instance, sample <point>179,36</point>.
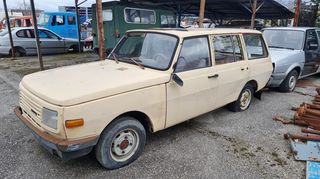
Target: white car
<point>25,43</point>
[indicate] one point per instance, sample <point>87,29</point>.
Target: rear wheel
<point>244,100</point>
<point>289,83</point>
<point>18,52</point>
<point>121,143</point>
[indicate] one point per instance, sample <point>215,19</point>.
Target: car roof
<point>59,13</point>
<point>180,32</point>
<point>292,28</point>
<point>21,28</point>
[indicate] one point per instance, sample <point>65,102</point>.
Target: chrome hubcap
<point>245,99</point>
<point>124,145</point>
<point>292,82</point>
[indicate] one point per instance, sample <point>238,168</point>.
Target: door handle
<point>242,69</point>
<point>214,76</point>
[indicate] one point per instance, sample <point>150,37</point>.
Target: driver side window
<point>195,54</point>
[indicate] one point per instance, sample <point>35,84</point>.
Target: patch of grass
<point>26,71</point>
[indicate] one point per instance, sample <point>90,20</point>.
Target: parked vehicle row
<point>153,79</point>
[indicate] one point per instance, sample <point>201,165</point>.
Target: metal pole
<point>201,13</point>
<point>297,13</point>
<point>36,34</point>
<point>254,10</point>
<point>102,53</point>
<point>78,26</point>
<point>13,54</point>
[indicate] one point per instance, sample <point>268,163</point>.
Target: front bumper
<point>64,148</point>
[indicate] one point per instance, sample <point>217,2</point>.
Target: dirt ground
<point>219,144</point>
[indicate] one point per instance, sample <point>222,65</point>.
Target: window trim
<point>264,44</point>
<point>233,47</point>
<point>209,53</point>
<point>125,16</point>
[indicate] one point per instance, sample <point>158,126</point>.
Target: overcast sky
<point>47,5</point>
<point>52,5</point>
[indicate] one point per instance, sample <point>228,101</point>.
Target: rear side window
<point>195,54</point>
<point>18,23</point>
<point>57,20</point>
<point>255,45</point>
<point>71,20</point>
<point>139,16</point>
<point>25,33</point>
<point>227,49</point>
<point>167,21</point>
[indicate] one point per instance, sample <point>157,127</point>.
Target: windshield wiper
<point>136,62</point>
<point>115,57</point>
<point>281,47</point>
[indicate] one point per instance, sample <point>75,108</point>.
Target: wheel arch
<point>254,84</point>
<point>140,116</point>
<point>296,67</point>
<point>20,48</point>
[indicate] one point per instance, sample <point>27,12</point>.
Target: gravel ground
<point>219,144</point>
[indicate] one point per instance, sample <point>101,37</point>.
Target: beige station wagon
<point>153,79</point>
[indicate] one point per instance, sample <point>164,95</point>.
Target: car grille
<point>30,109</point>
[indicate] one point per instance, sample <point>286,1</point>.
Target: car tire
<point>289,83</point>
<point>18,52</point>
<point>121,143</point>
<point>244,100</point>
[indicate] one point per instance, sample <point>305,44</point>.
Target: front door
<point>231,67</point>
<point>50,43</point>
<point>312,56</point>
<point>198,93</point>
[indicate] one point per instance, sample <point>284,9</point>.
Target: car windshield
<point>152,50</point>
<point>43,19</point>
<point>289,39</point>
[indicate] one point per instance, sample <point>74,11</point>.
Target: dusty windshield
<point>152,50</point>
<point>43,19</point>
<point>289,39</point>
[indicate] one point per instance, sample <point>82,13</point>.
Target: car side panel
<point>99,113</point>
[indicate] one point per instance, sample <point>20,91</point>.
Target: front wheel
<point>289,83</point>
<point>244,100</point>
<point>121,143</point>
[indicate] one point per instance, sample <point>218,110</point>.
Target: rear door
<point>260,66</point>
<point>230,66</point>
<point>25,39</point>
<point>312,55</point>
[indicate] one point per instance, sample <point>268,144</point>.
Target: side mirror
<point>177,79</point>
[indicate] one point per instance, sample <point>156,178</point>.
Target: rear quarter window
<point>255,45</point>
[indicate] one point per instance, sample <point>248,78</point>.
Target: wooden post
<point>13,54</point>
<point>253,17</point>
<point>201,12</point>
<point>297,13</point>
<point>78,26</point>
<point>102,52</point>
<point>36,33</point>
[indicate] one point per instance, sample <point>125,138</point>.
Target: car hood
<point>77,84</point>
<point>278,54</point>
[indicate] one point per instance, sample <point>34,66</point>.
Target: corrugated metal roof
<point>227,9</point>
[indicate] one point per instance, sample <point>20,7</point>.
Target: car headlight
<point>50,117</point>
